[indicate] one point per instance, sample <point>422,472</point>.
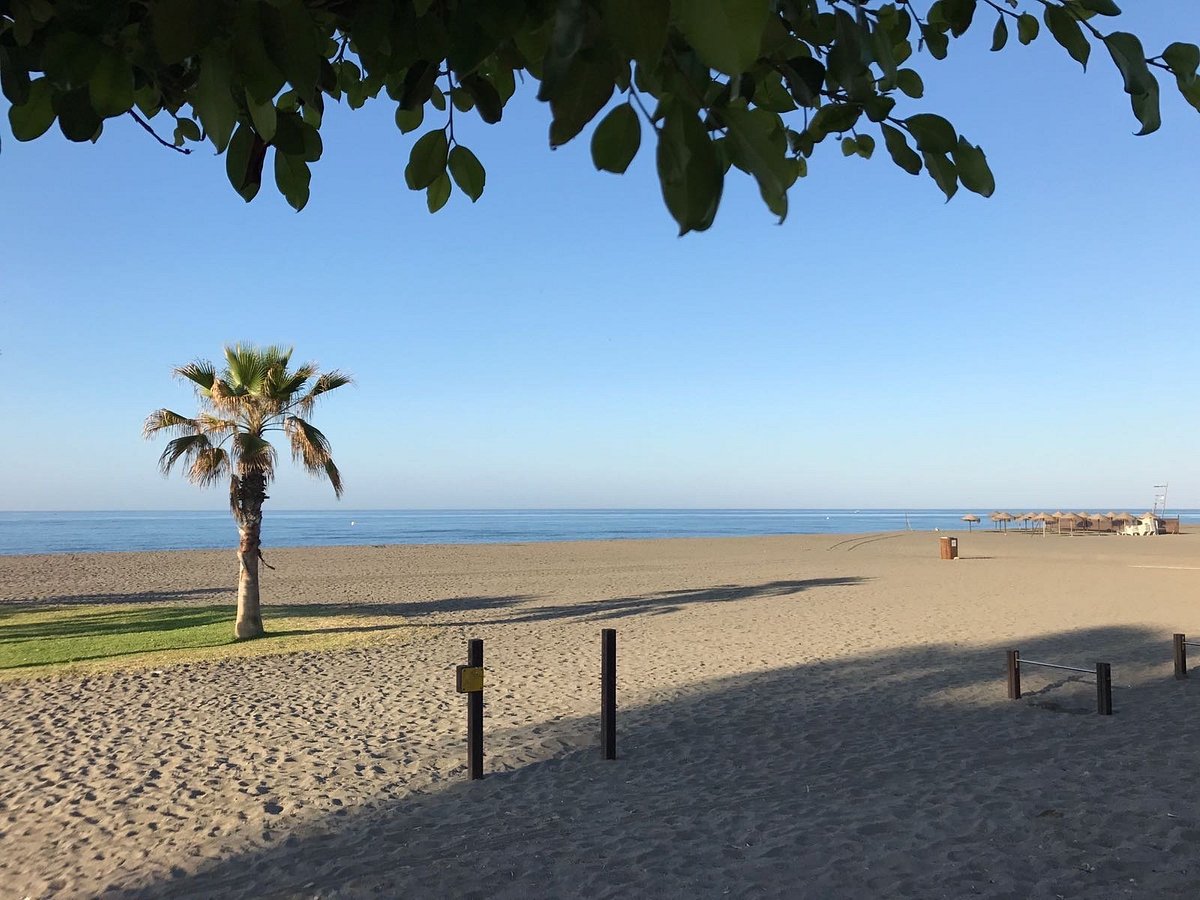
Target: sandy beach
<point>799,717</point>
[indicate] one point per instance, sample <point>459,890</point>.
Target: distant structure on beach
<point>1122,523</point>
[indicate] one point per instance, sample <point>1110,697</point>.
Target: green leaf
<point>244,161</point>
<point>936,42</point>
<point>638,28</point>
<point>1191,92</point>
<point>1183,59</point>
<point>255,68</point>
<point>866,146</point>
<point>294,44</point>
<point>468,172</point>
<point>68,59</point>
<point>188,129</point>
<point>1000,34</point>
<point>689,170</point>
<point>578,98</point>
<point>1102,7</point>
<point>805,77</point>
<point>933,134</point>
<point>427,160</point>
<point>878,108</point>
<point>313,147</point>
<point>973,169</point>
<point>760,146</point>
<point>834,117</point>
<point>292,177</point>
<point>34,117</point>
<point>438,192</point>
<point>488,102</point>
<point>910,83</point>
<point>213,100</point>
<point>438,99</point>
<point>76,118</point>
<point>14,79</point>
<point>183,28</point>
<point>418,86</point>
<point>409,119</point>
<point>111,86</point>
<point>1067,32</point>
<point>849,146</point>
<point>959,14</point>
<point>1027,28</point>
<point>884,51</point>
<point>1141,86</point>
<point>616,140</point>
<point>902,154</point>
<point>943,171</point>
<point>727,34</point>
<point>263,115</point>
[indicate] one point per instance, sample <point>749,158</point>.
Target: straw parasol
<point>970,519</point>
<point>1001,517</point>
<point>1122,517</point>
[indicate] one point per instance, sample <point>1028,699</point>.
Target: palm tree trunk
<point>247,495</point>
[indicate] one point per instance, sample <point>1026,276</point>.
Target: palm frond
<point>253,453</point>
<point>335,478</point>
<point>186,447</point>
<point>168,421</point>
<point>227,397</point>
<point>326,382</point>
<point>249,366</point>
<point>285,385</point>
<point>200,372</point>
<point>208,466</point>
<point>245,367</point>
<point>310,448</point>
<point>215,425</point>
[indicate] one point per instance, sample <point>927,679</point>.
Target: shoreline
<point>1185,529</point>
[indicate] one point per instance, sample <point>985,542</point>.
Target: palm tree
<point>254,395</point>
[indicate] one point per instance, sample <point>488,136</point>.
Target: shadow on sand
<point>903,773</point>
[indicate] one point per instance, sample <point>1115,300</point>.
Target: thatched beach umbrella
<point>1001,518</point>
<point>970,519</point>
<point>1122,517</point>
<point>1070,518</point>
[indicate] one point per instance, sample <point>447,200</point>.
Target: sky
<point>556,345</point>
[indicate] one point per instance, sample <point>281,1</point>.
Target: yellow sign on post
<point>468,679</point>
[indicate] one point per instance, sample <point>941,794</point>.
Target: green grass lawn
<point>36,642</point>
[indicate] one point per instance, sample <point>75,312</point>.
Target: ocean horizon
<point>139,530</point>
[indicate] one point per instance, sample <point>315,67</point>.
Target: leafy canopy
<point>254,395</point>
<point>714,84</point>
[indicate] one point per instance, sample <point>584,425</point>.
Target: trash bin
<point>949,547</point>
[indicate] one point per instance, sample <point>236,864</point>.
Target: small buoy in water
<point>352,522</point>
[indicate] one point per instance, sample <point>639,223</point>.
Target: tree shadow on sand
<point>902,773</point>
<point>657,603</point>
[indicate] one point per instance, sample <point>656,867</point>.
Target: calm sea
<point>87,532</point>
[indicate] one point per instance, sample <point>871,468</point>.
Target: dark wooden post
<point>1014,675</point>
<point>1180,656</point>
<point>475,714</point>
<point>608,692</point>
<point>1103,689</point>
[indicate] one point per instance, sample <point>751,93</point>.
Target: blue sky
<point>556,345</point>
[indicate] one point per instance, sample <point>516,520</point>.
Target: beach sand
<point>799,716</point>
